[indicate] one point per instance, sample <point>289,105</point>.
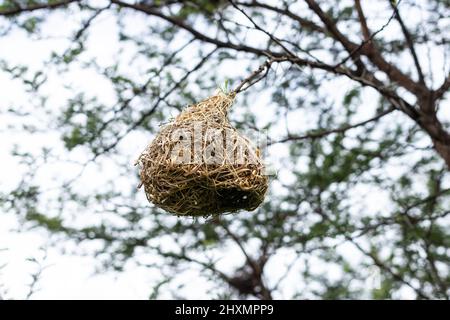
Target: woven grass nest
<point>200,165</point>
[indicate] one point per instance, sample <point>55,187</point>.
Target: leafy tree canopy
<point>353,96</point>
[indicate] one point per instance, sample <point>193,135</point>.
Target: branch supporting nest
<point>253,77</point>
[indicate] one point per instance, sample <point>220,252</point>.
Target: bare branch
<point>271,36</point>
<point>197,34</point>
<point>88,22</point>
<point>379,263</point>
<point>149,112</point>
<point>362,20</point>
<point>374,56</point>
<point>443,89</point>
<point>254,265</point>
<point>250,79</point>
<point>307,24</point>
<point>321,134</point>
<point>365,79</point>
<point>143,88</point>
<point>408,41</point>
<point>33,7</point>
<point>375,259</point>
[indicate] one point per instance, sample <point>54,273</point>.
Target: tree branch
<point>256,267</point>
<point>39,6</point>
<point>197,34</point>
<point>362,20</point>
<point>149,112</point>
<point>307,24</point>
<point>443,89</point>
<point>88,22</point>
<point>250,79</point>
<point>408,41</point>
<point>321,134</point>
<point>375,259</point>
<point>374,56</point>
<point>365,79</point>
<point>271,36</point>
<point>368,37</point>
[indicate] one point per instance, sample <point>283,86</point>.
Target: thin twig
<point>409,41</point>
<point>250,79</point>
<point>320,134</point>
<point>368,40</point>
<point>271,36</point>
<point>38,6</point>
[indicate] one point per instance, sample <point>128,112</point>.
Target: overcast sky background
<point>68,276</point>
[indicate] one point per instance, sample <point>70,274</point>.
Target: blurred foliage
<point>323,206</point>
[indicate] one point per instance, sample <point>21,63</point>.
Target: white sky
<point>71,276</point>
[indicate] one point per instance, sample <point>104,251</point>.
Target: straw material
<point>200,165</point>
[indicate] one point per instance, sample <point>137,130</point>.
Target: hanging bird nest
<point>200,165</point>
